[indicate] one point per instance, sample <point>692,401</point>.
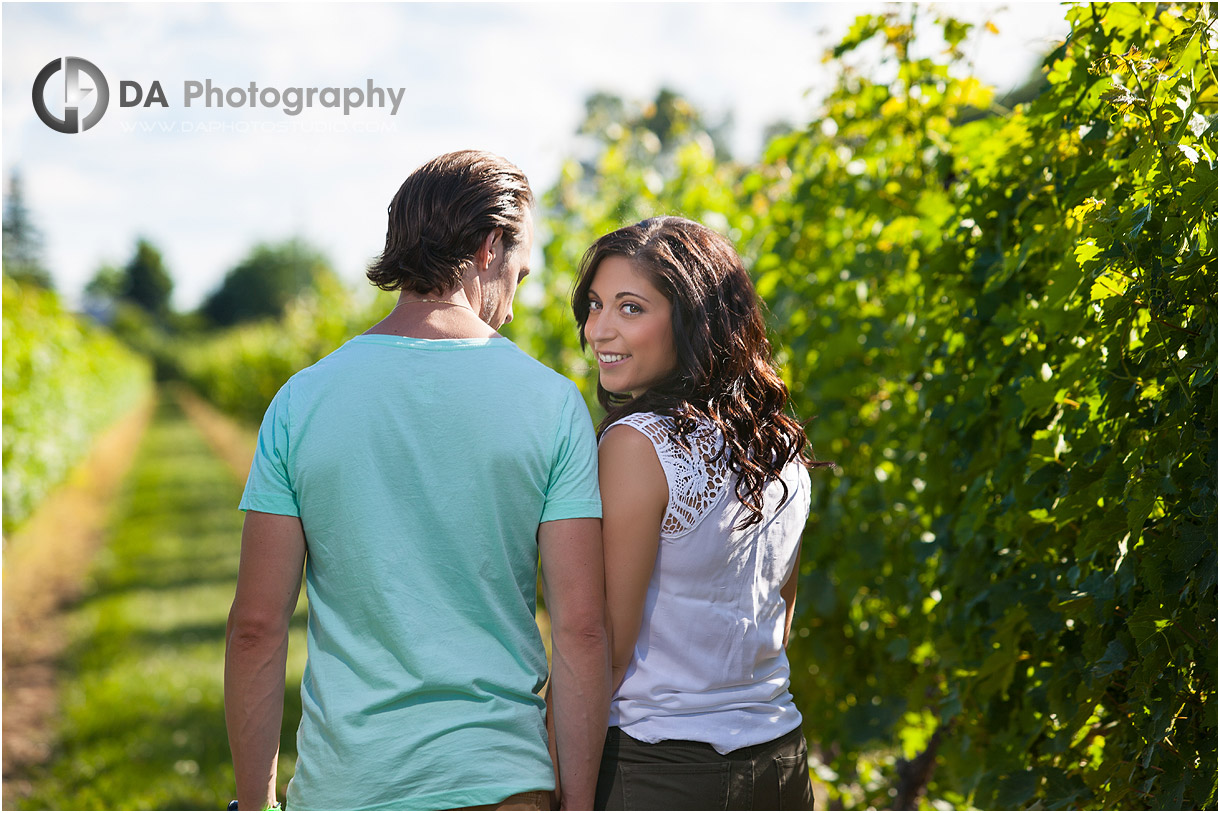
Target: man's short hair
<point>441,215</point>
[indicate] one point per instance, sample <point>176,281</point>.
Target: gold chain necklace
<point>438,302</point>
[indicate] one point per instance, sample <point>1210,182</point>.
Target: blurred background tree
<point>22,239</point>
<point>103,291</point>
<point>147,283</point>
<point>262,285</point>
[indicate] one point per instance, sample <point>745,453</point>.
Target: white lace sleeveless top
<point>709,664</point>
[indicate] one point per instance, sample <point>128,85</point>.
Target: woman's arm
<point>788,593</point>
<point>634,496</point>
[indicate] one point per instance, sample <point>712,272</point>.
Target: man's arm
<point>256,650</point>
<point>573,585</point>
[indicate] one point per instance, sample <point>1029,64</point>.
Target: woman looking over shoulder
<point>704,498</point>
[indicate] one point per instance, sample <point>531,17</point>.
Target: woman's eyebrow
<point>621,295</point>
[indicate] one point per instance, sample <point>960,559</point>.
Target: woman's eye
<point>594,305</point>
<point>632,308</point>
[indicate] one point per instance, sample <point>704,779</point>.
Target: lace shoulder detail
<point>696,480</point>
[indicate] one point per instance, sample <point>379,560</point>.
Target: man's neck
<point>434,317</point>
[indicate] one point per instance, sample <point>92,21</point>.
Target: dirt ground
<point>232,442</point>
<point>45,566</point>
<point>47,561</point>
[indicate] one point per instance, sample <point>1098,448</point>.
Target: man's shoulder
<point>318,368</point>
<point>530,366</point>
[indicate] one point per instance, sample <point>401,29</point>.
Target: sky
<point>205,183</point>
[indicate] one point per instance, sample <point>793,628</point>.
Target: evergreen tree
<point>148,283</point>
<point>22,240</point>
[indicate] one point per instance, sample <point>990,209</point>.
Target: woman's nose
<point>596,328</point>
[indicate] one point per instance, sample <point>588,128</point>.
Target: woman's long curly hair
<point>724,372</point>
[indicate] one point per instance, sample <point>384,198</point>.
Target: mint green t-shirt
<point>421,470</point>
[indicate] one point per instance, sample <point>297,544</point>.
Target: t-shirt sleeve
<point>269,486</point>
<point>572,490</point>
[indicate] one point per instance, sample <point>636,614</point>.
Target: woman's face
<point>629,328</point>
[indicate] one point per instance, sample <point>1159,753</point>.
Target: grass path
<point>141,707</point>
<point>45,563</point>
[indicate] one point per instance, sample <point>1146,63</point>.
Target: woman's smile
<point>630,327</point>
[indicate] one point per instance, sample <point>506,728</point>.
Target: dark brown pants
<point>685,775</point>
<point>530,800</point>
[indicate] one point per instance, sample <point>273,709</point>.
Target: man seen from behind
<point>417,474</point>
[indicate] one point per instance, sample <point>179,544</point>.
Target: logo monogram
<point>74,94</point>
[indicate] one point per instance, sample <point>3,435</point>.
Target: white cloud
<point>207,183</point>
